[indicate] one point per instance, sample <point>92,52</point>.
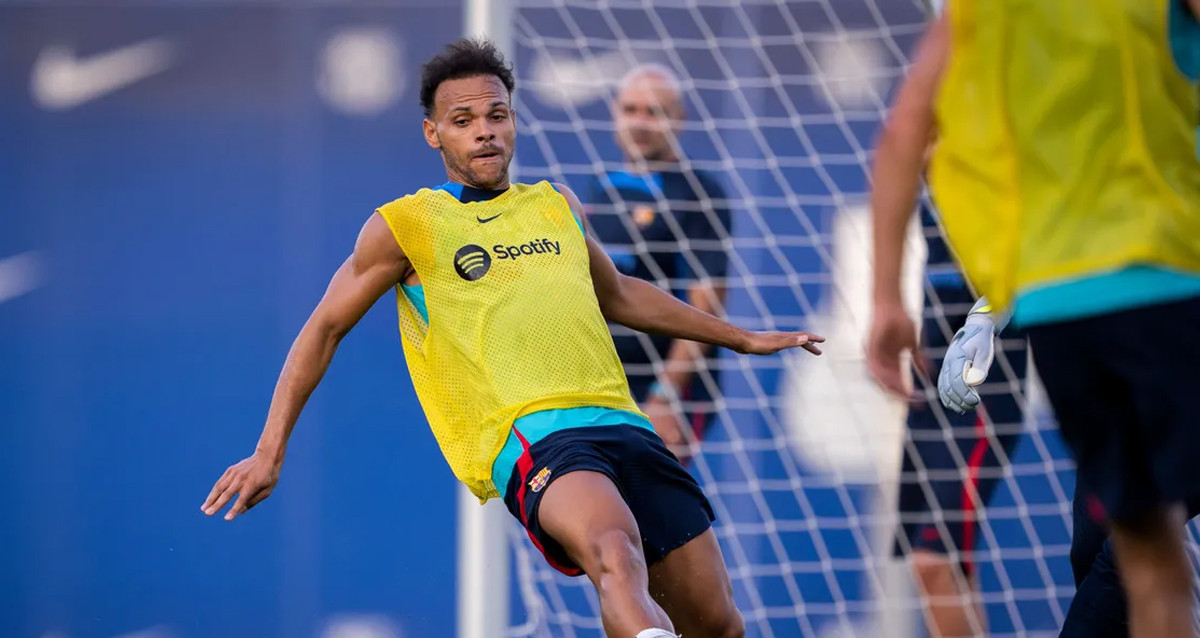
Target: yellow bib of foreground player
<point>1067,142</point>
<point>514,325</point>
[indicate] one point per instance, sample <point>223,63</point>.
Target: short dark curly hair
<point>464,58</point>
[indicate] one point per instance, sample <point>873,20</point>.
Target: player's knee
<point>934,571</point>
<point>616,555</point>
<point>670,434</point>
<point>726,625</point>
<point>1153,560</point>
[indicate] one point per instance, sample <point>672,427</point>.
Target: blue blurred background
<point>180,229</point>
<point>162,239</point>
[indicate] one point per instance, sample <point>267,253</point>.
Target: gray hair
<point>657,70</point>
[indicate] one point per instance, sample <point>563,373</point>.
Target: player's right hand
<point>968,359</point>
<point>892,334</point>
<point>251,479</point>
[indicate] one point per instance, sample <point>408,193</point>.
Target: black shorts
<point>667,503</point>
<point>1123,388</point>
<point>953,462</point>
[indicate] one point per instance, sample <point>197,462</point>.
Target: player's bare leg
<point>693,587</point>
<point>1157,574</point>
<point>951,610</point>
<point>585,513</point>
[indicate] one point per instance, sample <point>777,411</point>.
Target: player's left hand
<point>770,342</point>
<point>968,359</point>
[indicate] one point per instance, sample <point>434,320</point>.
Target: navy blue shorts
<point>952,463</point>
<point>667,503</point>
<point>1123,388</point>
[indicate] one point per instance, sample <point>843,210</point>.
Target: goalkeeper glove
<point>969,358</point>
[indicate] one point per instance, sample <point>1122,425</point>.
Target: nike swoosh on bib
<point>484,220</point>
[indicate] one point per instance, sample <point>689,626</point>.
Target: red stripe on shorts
<point>970,493</point>
<point>524,468</point>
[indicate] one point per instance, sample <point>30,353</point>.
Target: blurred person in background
<point>662,221</point>
<point>954,458</point>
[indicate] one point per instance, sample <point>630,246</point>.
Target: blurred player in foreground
<point>1099,608</point>
<point>1067,176</point>
<point>502,302</point>
<point>953,460</point>
<point>661,221</point>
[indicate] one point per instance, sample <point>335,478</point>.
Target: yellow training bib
<point>514,326</point>
<point>1068,140</point>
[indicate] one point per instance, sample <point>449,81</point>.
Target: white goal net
<point>802,463</point>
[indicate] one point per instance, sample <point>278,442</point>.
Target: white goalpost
<point>483,546</point>
<point>784,99</point>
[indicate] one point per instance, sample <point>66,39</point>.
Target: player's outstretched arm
<point>376,265</point>
<point>896,179</point>
<point>641,306</point>
<point>1195,4</point>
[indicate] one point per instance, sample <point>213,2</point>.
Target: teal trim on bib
<point>537,426</point>
<point>1125,289</point>
<point>1183,30</point>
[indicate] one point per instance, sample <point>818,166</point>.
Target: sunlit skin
<point>472,125</point>
<point>647,115</point>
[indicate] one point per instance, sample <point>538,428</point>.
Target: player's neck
<point>466,193</point>
<point>498,188</point>
<point>460,179</point>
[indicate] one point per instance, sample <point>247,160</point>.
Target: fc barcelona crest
<point>540,480</point>
<point>643,215</point>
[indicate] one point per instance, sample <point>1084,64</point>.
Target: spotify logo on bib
<point>472,262</point>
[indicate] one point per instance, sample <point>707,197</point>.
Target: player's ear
<point>678,114</point>
<point>431,136</point>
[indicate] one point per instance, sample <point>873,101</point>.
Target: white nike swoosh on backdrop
<point>19,274</point>
<point>60,80</point>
